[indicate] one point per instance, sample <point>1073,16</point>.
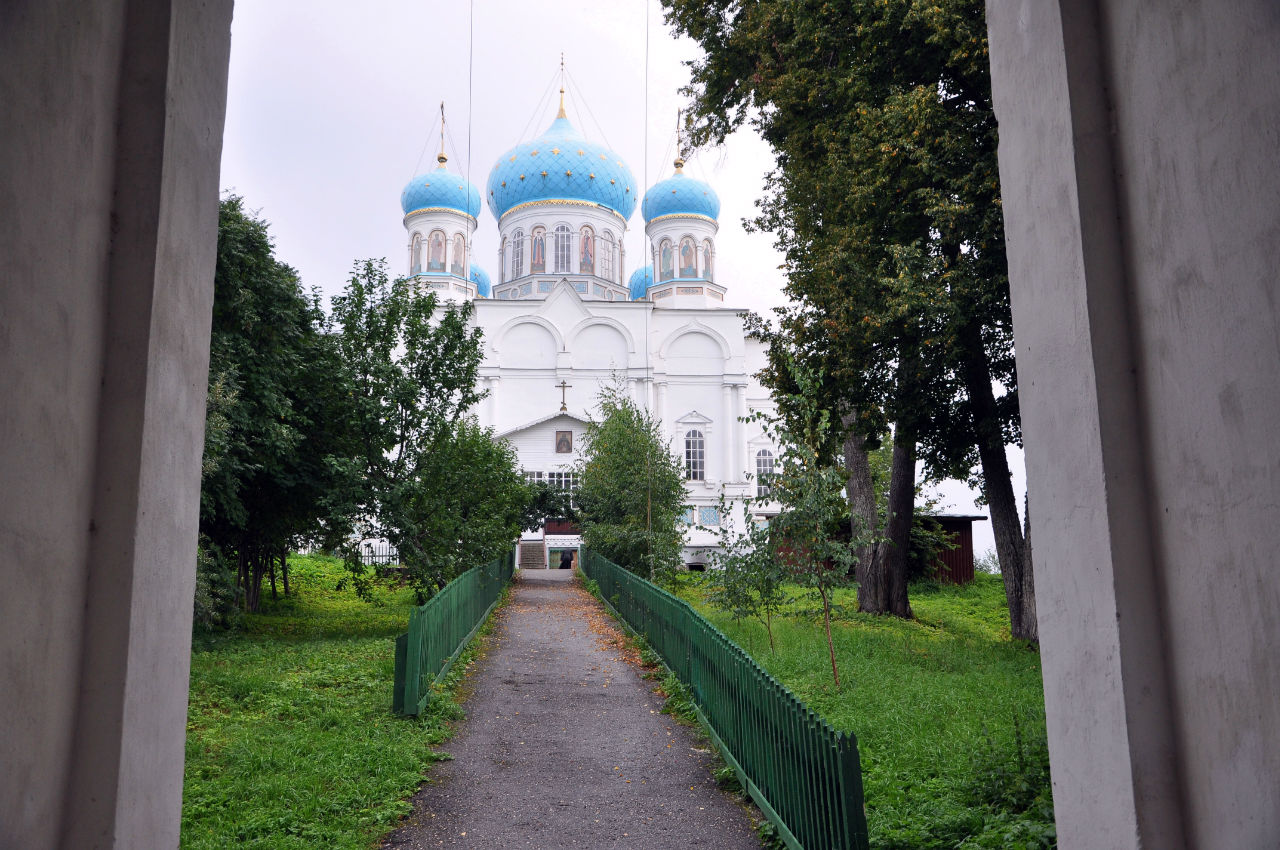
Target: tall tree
<point>431,481</point>
<point>631,489</point>
<point>279,442</point>
<point>886,204</point>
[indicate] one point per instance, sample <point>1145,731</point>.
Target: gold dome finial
<point>561,113</point>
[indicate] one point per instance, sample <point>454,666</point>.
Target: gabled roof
<point>570,414</point>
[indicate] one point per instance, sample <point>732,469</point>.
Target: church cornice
<point>657,219</point>
<point>563,202</point>
<point>424,210</point>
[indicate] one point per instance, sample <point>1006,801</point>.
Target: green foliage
<point>217,593</point>
<point>886,198</point>
<point>747,578</point>
<point>806,535</point>
<point>435,484</point>
<point>886,204</point>
<point>949,713</point>
<point>290,743</point>
<point>279,434</point>
<point>630,489</point>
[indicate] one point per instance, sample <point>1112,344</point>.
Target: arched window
<point>666,261</point>
<point>504,255</point>
<point>564,247</point>
<point>688,258</point>
<point>695,456</point>
<point>587,252</point>
<point>435,252</point>
<point>517,254</point>
<point>415,263</point>
<point>764,474</point>
<point>458,262</point>
<point>607,263</point>
<point>707,267</point>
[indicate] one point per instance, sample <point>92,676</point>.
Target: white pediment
<point>693,417</point>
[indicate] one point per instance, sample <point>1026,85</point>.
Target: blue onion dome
<point>561,165</point>
<point>680,194</point>
<point>440,189</point>
<point>641,280</point>
<point>480,278</point>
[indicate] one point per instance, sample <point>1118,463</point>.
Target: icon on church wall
<point>458,266</point>
<point>706,261</point>
<point>688,258</point>
<point>665,265</point>
<point>564,442</point>
<point>587,262</point>
<point>417,254</point>
<point>435,261</point>
<point>538,252</point>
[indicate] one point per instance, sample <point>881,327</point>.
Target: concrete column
<point>660,405</point>
<point>1138,174</point>
<point>109,191</point>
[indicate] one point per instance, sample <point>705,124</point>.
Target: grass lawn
<point>948,711</point>
<point>290,737</point>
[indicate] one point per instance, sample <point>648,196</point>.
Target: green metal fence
<point>440,629</point>
<point>804,775</point>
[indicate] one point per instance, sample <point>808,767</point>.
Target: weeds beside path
<point>948,711</point>
<point>565,744</point>
<point>290,738</point>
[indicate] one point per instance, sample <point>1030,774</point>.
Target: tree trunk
<point>864,517</point>
<point>902,499</point>
<point>826,622</point>
<point>284,570</point>
<point>271,570</point>
<point>998,487</point>
<point>242,576</point>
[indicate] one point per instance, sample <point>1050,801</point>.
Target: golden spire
<point>561,113</point>
<point>440,157</point>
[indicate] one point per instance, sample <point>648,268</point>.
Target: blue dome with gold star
<point>561,165</point>
<point>680,194</point>
<point>641,280</point>
<point>440,189</point>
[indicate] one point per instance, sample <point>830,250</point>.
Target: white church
<point>562,318</point>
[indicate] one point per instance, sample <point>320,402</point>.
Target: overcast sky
<point>333,107</point>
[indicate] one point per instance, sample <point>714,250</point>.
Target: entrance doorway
<point>556,558</point>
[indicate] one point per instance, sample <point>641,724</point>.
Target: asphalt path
<point>564,744</point>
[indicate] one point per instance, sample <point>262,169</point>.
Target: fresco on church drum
<point>538,253</point>
<point>587,262</point>
<point>458,265</point>
<point>435,261</point>
<point>665,264</point>
<point>688,258</point>
<point>706,260</point>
